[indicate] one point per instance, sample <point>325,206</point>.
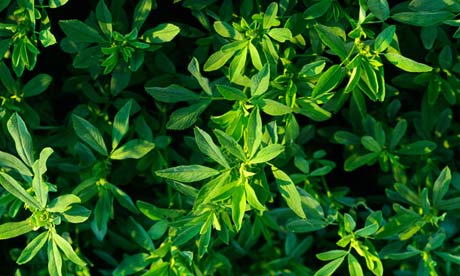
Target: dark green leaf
<point>185,117</point>
<point>306,225</point>
<point>328,80</point>
<point>355,161</point>
<point>104,18</point>
<point>441,185</point>
<point>132,264</point>
<point>330,267</point>
<point>379,8</point>
<point>135,149</point>
<point>371,144</point>
<point>123,198</point>
<point>141,12</point>
<point>397,133</point>
<point>139,235</point>
<point>172,94</point>
<point>89,134</point>
<point>37,85</point>
<point>384,38</point>
<point>57,3</point>
<point>80,32</point>
<point>332,40</point>
<point>317,9</point>
<point>76,214</point>
<point>121,124</point>
<point>423,18</point>
<point>162,33</point>
<point>418,148</point>
<point>230,144</point>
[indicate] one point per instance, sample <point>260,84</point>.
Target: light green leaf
<point>194,68</point>
<point>217,60</point>
<point>269,19</point>
<point>330,267</point>
<point>280,34</point>
<point>288,191</point>
<point>62,203</point>
<point>254,132</point>
<point>441,185</point>
<point>353,266</point>
<point>187,173</point>
<point>207,146</point>
<point>135,149</point>
<point>14,188</point>
<point>332,40</point>
<point>121,124</point>
<point>39,168</point>
<point>407,64</point>
<point>260,81</point>
<point>13,229</point>
<point>331,254</point>
<point>32,248</point>
<point>274,108</point>
<point>46,37</point>
<point>238,65</point>
<point>172,94</point>
<point>80,32</point>
<point>267,153</point>
<point>104,18</point>
<point>187,233</point>
<point>314,112</point>
<point>379,8</point>
<point>10,161</point>
<point>185,117</point>
<point>54,259</point>
<point>226,30</point>
<point>141,12</point>
<point>384,38</point>
<point>367,230</point>
<point>76,214</point>
<point>238,206</point>
<point>251,197</point>
<point>22,139</point>
<point>89,134</point>
<point>255,56</point>
<point>162,33</point>
<point>67,249</point>
<point>57,3</point>
<point>328,80</point>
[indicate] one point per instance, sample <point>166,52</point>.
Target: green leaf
<point>203,242</point>
<point>104,18</point>
<point>162,33</point>
<point>22,139</point>
<point>397,133</point>
<point>332,40</point>
<point>186,233</point>
<point>379,8</point>
<point>80,32</point>
<point>132,264</point>
<point>158,229</point>
<point>194,68</point>
<point>32,248</point>
<point>269,19</point>
<point>207,146</point>
<point>306,225</point>
<point>384,38</point>
<point>4,4</point>
<point>367,230</point>
<point>238,65</point>
<point>354,79</point>
<point>273,108</point>
<point>185,117</point>
<point>267,153</point>
<point>39,168</point>
<point>448,257</point>
<point>172,94</point>
<point>141,12</point>
<point>62,203</point>
<point>407,64</point>
<point>252,198</point>
<point>441,185</point>
<point>135,149</point>
<point>330,267</point>
<point>187,173</point>
<point>260,81</point>
<point>37,85</point>
<point>331,255</point>
<point>328,80</point>
<point>13,229</point>
<point>76,214</point>
<point>349,223</point>
<point>353,266</point>
<point>317,9</point>
<point>231,93</point>
<point>139,235</point>
<point>371,144</point>
<point>288,191</point>
<point>217,60</point>
<point>102,213</point>
<point>67,249</point>
<point>89,134</point>
<point>230,144</point>
<point>423,18</point>
<point>54,259</point>
<point>57,3</point>
<point>280,34</point>
<point>238,205</point>
<point>46,37</point>
<point>254,132</point>
<point>10,161</point>
<point>255,56</point>
<point>312,69</point>
<point>123,198</point>
<point>14,188</point>
<point>121,124</point>
<point>226,30</point>
<point>314,112</point>
<point>418,148</point>
<point>355,161</point>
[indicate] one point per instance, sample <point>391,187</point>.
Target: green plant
<point>207,137</point>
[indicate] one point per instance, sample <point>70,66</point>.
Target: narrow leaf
<point>289,191</point>
<point>162,33</point>
<point>407,64</point>
<point>135,149</point>
<point>14,188</point>
<point>141,12</point>
<point>121,124</point>
<point>441,185</point>
<point>67,249</point>
<point>207,146</point>
<point>13,229</point>
<point>330,267</point>
<point>80,32</point>
<point>187,173</point>
<point>22,139</point>
<point>32,248</point>
<point>267,153</point>
<point>89,134</point>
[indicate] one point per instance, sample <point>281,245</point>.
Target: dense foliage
<point>229,137</point>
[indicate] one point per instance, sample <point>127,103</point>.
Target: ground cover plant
<point>229,137</point>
